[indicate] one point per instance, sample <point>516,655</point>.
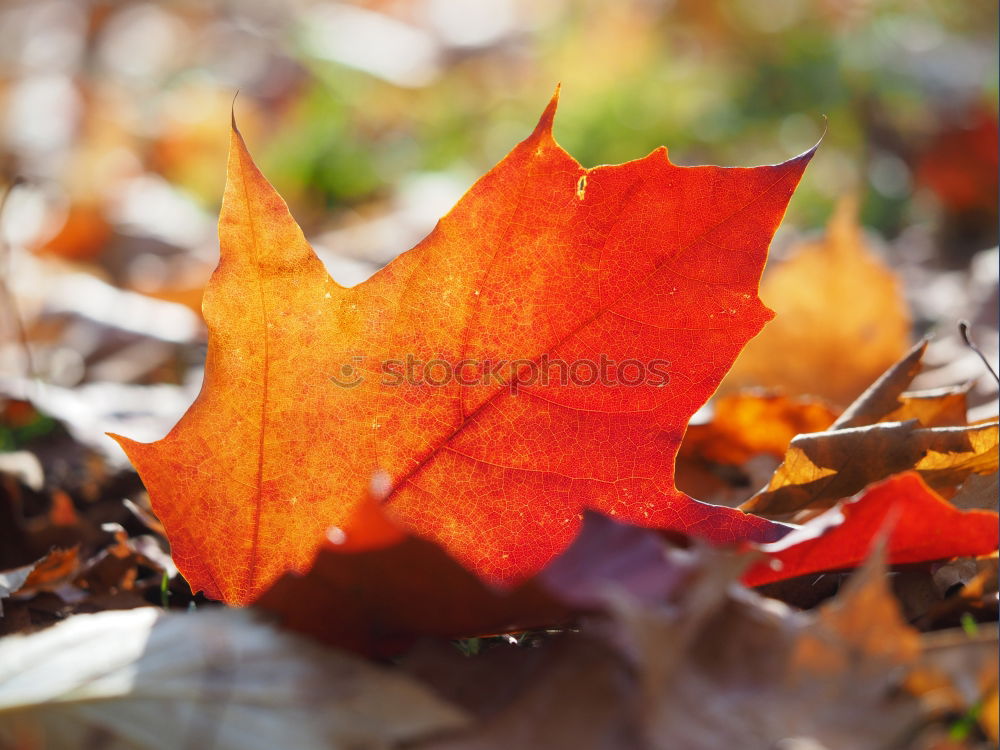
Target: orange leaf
<point>748,423</point>
<point>921,525</point>
<point>567,323</point>
<point>842,318</point>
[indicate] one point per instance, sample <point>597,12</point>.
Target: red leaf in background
<point>921,527</point>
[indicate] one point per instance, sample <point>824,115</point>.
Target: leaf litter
<point>635,637</point>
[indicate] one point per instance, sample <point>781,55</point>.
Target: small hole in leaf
<point>581,187</point>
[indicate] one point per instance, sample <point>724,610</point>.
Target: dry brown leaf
<point>212,680</point>
<point>715,667</point>
<point>940,407</point>
<point>841,318</point>
<point>978,492</point>
<point>948,465</point>
<point>824,467</point>
<point>741,671</point>
<point>724,668</point>
<point>885,394</point>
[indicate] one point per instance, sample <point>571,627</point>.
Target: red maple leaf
<point>540,352</point>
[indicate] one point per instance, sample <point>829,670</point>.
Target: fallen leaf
<point>841,319</point>
<point>715,667</point>
<point>217,678</point>
<point>375,590</point>
<point>937,407</point>
<point>824,467</point>
<point>740,671</point>
<point>747,423</point>
<point>542,264</point>
<point>884,395</point>
<point>921,526</point>
<point>979,491</point>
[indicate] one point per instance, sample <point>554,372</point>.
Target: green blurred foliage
<point>341,101</point>
<point>732,83</point>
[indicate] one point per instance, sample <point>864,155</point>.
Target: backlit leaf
<point>308,399</point>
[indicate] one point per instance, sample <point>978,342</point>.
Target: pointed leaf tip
<point>232,111</point>
<point>808,154</point>
<point>544,126</point>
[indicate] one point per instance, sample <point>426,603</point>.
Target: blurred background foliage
<point>373,117</point>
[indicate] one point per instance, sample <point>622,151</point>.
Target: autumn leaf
<point>375,589</point>
<point>831,676</point>
<point>746,424</point>
<point>543,292</point>
<point>921,526</point>
<point>841,318</point>
<point>823,467</point>
<point>887,430</point>
<point>717,667</point>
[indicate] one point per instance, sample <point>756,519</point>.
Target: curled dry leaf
<point>824,467</point>
<point>545,290</point>
<point>920,525</point>
<point>216,679</point>
<point>884,395</point>
<point>841,318</point>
